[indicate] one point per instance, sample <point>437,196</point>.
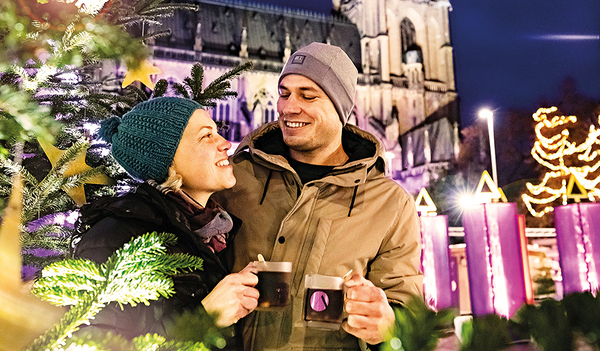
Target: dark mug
<point>323,301</point>
<point>274,280</point>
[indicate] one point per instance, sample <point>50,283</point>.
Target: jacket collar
<point>366,156</point>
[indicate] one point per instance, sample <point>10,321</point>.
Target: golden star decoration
<point>143,74</point>
<point>23,317</point>
<point>77,166</point>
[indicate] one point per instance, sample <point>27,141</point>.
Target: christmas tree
<point>52,97</point>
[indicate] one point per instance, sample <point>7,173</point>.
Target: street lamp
<point>489,115</point>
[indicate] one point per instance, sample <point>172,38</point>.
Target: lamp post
<point>489,115</point>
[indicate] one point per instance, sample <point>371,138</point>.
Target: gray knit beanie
<point>144,141</point>
<point>331,68</point>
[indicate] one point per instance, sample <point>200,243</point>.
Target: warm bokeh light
<point>552,152</point>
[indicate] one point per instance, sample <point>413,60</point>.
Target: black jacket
<point>107,224</point>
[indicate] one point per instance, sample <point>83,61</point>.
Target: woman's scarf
<point>211,223</point>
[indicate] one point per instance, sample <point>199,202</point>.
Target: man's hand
<point>370,315</point>
<point>234,297</point>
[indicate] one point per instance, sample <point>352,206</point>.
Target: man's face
<point>310,123</point>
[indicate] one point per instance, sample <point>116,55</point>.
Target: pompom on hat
<point>330,68</point>
<point>144,141</point>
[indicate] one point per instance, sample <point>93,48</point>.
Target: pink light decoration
<point>525,259</point>
<point>578,240</point>
<point>494,259</point>
<point>435,263</point>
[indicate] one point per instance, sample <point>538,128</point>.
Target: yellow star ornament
<point>23,317</point>
<point>143,74</point>
<point>76,167</point>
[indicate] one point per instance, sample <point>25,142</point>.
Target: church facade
<point>406,93</point>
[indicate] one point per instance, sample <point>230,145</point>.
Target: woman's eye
<point>206,136</point>
<point>310,97</point>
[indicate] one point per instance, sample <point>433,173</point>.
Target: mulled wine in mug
<point>274,280</point>
<point>324,301</point>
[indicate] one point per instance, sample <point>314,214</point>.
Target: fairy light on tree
<point>564,157</point>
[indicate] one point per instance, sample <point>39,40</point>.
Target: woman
<point>172,144</point>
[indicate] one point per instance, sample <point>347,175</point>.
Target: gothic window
<point>395,113</point>
<point>411,52</point>
<point>408,37</point>
<point>227,113</point>
<point>269,115</point>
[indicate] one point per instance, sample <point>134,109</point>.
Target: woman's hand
<point>234,297</point>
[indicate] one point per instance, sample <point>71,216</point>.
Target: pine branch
<point>486,333</point>
<point>101,341</point>
<point>132,265</point>
<point>138,94</point>
<point>196,80</point>
<point>158,34</point>
<point>233,73</point>
<point>47,241</point>
<point>160,88</point>
<point>15,168</point>
<point>181,90</point>
<point>40,262</point>
<point>417,327</point>
<point>216,90</point>
<point>198,326</point>
<point>83,177</point>
<point>136,273</point>
<point>154,341</point>
<point>146,11</point>
<point>69,156</point>
<point>81,313</point>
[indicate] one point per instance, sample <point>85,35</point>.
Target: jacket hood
<point>366,155</point>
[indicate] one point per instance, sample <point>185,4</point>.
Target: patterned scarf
<point>211,223</point>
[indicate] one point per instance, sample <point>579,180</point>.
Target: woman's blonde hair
<point>173,182</point>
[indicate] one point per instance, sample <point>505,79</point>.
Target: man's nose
<point>289,105</point>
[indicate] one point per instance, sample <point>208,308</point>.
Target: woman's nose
<point>224,144</point>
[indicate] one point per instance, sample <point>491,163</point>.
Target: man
<point>311,190</point>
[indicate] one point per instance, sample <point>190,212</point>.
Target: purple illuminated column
<point>494,259</point>
<point>578,241</point>
<point>436,269</point>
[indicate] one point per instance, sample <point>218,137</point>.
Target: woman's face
<point>201,158</point>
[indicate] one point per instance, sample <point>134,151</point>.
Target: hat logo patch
<point>298,59</point>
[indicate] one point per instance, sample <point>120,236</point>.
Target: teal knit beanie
<point>144,141</point>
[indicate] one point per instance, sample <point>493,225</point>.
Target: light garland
<point>551,152</point>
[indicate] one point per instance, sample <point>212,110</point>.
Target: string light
<point>551,152</point>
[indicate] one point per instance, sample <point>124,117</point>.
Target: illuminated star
<point>75,167</point>
<point>142,74</point>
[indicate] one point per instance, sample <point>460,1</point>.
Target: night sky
<point>513,53</point>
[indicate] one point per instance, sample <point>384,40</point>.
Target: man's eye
<point>284,95</point>
<point>206,136</point>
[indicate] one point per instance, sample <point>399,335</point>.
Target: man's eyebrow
<point>310,89</point>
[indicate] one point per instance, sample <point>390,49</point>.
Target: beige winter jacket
<point>353,218</point>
